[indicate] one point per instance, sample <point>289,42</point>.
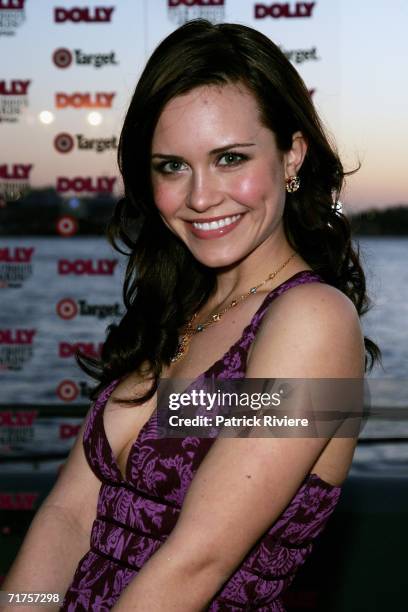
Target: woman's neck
<point>252,271</point>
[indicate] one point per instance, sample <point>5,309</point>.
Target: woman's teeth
<point>214,225</point>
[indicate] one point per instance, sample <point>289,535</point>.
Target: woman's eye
<point>170,167</point>
<point>231,159</point>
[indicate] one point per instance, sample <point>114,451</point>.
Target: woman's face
<point>218,177</point>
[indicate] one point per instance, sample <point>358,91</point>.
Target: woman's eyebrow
<point>233,145</point>
<point>212,152</point>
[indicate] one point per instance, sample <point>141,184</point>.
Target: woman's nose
<point>204,191</point>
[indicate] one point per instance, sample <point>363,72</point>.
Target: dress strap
<point>96,446</point>
<point>233,363</point>
<point>300,278</point>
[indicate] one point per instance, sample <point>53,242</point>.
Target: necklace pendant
<point>253,290</point>
<point>200,328</point>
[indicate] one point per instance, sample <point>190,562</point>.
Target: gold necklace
<point>191,330</point>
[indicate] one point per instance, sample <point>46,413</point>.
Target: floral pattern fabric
<point>135,515</point>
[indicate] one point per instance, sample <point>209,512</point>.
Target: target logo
<point>62,58</point>
<point>67,309</point>
<point>67,391</point>
<point>67,226</point>
<point>64,143</point>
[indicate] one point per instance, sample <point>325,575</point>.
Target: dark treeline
<point>388,222</point>
<point>38,211</point>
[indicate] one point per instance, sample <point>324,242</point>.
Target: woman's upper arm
<point>244,484</point>
<point>77,487</point>
<point>313,332</point>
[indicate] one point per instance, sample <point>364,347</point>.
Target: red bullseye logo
<point>67,391</point>
<point>67,226</point>
<point>67,309</point>
<point>64,143</point>
<point>62,58</point>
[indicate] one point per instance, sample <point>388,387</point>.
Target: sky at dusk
<point>359,78</point>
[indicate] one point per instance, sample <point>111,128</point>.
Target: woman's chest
<point>215,345</point>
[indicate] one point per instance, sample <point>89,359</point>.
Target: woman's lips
<point>225,226</point>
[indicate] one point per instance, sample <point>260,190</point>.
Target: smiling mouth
<point>207,226</point>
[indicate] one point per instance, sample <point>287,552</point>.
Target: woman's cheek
<point>248,190</point>
<point>167,203</point>
<point>265,183</point>
<point>170,194</point>
<point>163,198</point>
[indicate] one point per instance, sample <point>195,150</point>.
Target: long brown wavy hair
<point>164,284</point>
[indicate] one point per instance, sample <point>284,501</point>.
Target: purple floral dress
<point>135,515</point>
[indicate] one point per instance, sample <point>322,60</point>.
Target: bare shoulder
<point>312,302</point>
<point>312,330</point>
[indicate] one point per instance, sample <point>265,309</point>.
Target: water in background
<point>385,262</point>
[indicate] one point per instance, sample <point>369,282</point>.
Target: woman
<point>240,265</point>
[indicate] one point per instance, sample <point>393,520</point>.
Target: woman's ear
<point>296,154</point>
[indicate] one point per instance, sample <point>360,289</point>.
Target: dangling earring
<point>292,183</point>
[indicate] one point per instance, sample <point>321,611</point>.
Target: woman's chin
<point>216,261</point>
